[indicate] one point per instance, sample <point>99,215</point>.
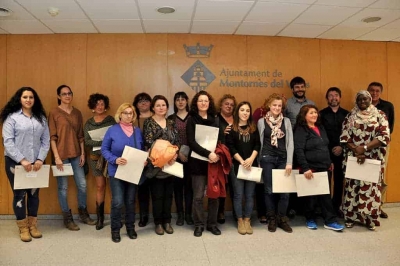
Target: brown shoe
<point>247,226</point>
<point>159,229</point>
<point>282,223</point>
<point>69,221</point>
<point>24,230</point>
<point>168,228</point>
<point>84,216</point>
<point>383,215</point>
<point>241,228</point>
<point>32,224</point>
<point>272,224</point>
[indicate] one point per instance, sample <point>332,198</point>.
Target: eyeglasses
<point>66,94</point>
<point>203,101</point>
<point>144,101</point>
<point>127,114</point>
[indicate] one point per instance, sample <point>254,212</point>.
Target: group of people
<point>282,134</point>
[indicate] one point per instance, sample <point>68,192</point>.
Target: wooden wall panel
<point>393,95</point>
<point>4,184</point>
<point>44,62</point>
<point>284,58</point>
<point>351,66</point>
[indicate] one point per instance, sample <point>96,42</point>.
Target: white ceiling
<point>328,19</point>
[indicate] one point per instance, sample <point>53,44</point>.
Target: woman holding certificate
<point>122,192</point>
<point>202,112</point>
<point>67,145</point>
<point>244,144</point>
<point>276,136</point>
<point>365,134</point>
<point>183,191</point>
<point>162,184</point>
<point>99,104</point>
<point>312,153</point>
<point>26,142</point>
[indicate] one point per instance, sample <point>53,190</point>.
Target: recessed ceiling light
<point>371,19</point>
<point>165,10</point>
<point>5,12</point>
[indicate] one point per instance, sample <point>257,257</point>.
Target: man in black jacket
<point>375,89</point>
<point>332,118</point>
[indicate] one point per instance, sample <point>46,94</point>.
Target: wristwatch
<point>365,148</point>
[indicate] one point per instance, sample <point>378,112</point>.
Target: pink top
<point>316,129</point>
<point>127,128</point>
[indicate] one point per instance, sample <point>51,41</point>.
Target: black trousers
<point>199,183</point>
<point>161,194</point>
<point>183,192</point>
<point>144,198</point>
<point>338,177</point>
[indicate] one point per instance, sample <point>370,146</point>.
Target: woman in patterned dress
<point>99,104</point>
<point>365,134</point>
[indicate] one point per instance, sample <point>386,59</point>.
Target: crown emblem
<point>198,51</point>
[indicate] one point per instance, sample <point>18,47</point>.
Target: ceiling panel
<point>110,9</point>
<point>166,26</point>
<point>214,27</point>
<point>303,30</point>
<point>18,11</point>
<point>259,28</point>
<point>381,35</point>
<point>391,4</point>
<point>222,10</point>
<point>118,26</point>
<point>3,31</point>
<point>387,16</point>
<point>68,9</point>
<point>348,3</point>
<point>71,26</point>
<point>326,15</point>
<point>275,12</point>
<point>24,27</point>
<point>291,1</point>
<point>345,32</point>
<point>183,9</point>
<point>393,25</point>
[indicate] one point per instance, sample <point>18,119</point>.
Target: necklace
<point>244,134</point>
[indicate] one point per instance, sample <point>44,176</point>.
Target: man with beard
<point>375,89</point>
<point>293,105</point>
<point>332,118</point>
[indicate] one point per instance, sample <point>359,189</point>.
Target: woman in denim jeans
<point>244,143</point>
<point>122,192</point>
<point>67,145</point>
<point>276,136</point>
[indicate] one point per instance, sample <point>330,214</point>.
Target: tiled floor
<point>356,246</point>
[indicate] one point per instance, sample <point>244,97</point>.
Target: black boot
<point>144,220</point>
<point>115,237</point>
<point>189,219</point>
<point>180,220</point>
<point>100,216</point>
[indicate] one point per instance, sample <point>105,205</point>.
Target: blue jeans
<point>268,163</point>
<point>241,187</point>
<point>122,193</point>
<point>19,205</point>
<point>80,181</point>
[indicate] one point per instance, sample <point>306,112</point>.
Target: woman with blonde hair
<point>122,192</point>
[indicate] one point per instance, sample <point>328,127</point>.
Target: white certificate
<point>32,179</point>
<point>98,134</point>
<point>206,137</point>
<point>176,169</point>
<point>254,174</point>
<point>132,170</point>
<point>318,185</point>
<point>281,183</point>
<point>67,170</point>
<point>369,171</point>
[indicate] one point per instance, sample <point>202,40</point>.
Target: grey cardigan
<point>288,138</point>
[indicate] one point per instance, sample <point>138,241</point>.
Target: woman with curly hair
<point>99,104</point>
<point>26,142</point>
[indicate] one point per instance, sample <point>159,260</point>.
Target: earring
<point>105,110</point>
<point>92,111</point>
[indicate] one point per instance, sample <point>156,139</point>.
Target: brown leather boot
<point>84,217</point>
<point>24,230</point>
<point>282,223</point>
<point>69,221</point>
<point>35,233</point>
<point>271,222</point>
<point>247,226</point>
<point>168,228</point>
<point>241,228</point>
